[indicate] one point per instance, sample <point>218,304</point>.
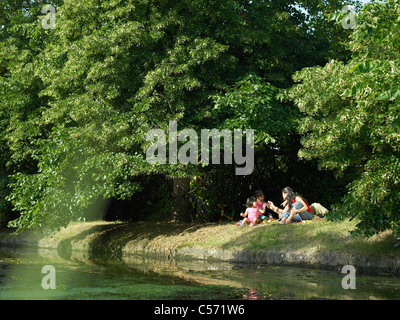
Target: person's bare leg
<point>282,221</point>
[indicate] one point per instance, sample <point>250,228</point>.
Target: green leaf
<point>394,92</point>
<point>383,96</point>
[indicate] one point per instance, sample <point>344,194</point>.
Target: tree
<point>350,109</point>
<point>113,70</point>
<point>21,40</point>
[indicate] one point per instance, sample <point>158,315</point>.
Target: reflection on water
<point>137,277</point>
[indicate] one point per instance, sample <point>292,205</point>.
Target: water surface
<point>136,277</point>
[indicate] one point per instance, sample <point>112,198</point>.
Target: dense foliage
<point>351,112</point>
<point>77,101</point>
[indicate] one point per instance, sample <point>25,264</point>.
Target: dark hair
<point>291,195</point>
<point>249,202</point>
<point>258,193</point>
<point>287,190</point>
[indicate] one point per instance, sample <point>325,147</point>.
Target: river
<point>23,276</point>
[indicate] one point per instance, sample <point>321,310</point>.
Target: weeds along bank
<point>320,244</point>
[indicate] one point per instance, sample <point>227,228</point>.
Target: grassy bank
<point>317,237</point>
<point>320,244</point>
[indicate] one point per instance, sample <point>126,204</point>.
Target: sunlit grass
<point>316,237</point>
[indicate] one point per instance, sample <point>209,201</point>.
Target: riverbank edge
<point>330,260</point>
<point>91,248</point>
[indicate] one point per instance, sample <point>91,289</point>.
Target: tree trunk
<point>181,207</point>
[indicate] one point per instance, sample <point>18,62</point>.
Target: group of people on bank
<point>294,208</point>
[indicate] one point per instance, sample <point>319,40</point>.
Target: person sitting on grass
<point>261,204</point>
<point>252,213</point>
<point>295,209</point>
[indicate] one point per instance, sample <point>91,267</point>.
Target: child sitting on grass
<point>252,213</point>
<point>261,204</point>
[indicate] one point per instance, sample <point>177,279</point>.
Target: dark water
<point>135,277</point>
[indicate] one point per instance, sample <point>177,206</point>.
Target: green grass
<point>319,236</point>
<point>316,237</point>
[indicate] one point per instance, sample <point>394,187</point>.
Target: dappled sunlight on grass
<point>316,237</point>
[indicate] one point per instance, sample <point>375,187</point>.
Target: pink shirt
<point>252,213</point>
<point>260,205</point>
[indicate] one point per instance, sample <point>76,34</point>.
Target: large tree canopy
<point>79,99</point>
